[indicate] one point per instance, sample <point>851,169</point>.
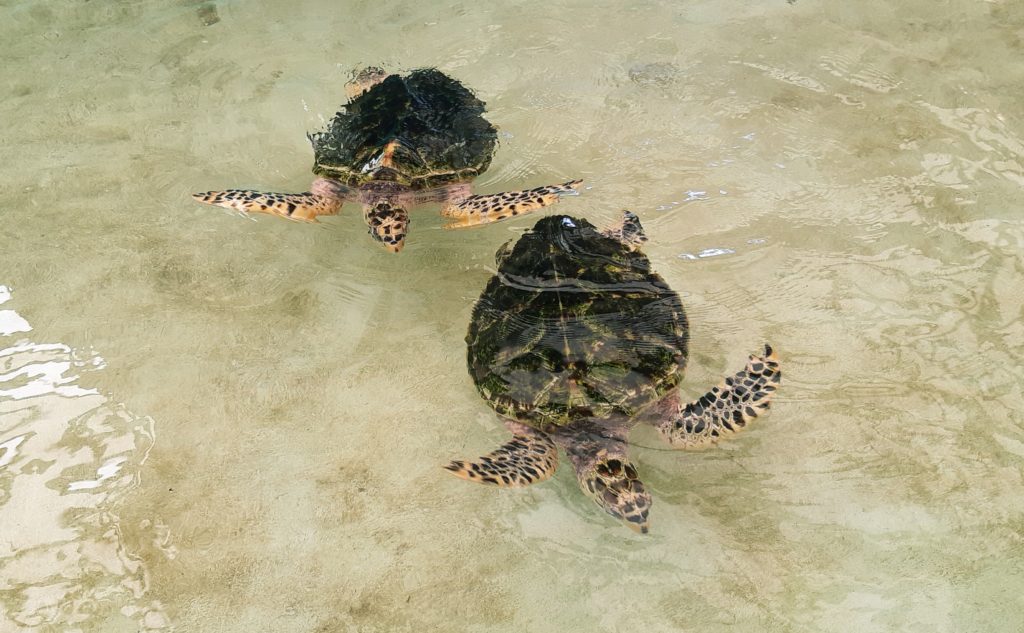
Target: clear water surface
<point>209,423</point>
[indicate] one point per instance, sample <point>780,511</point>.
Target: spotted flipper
<point>628,230</point>
<point>387,223</point>
<point>484,209</point>
<point>615,485</point>
<point>527,458</point>
<point>729,407</point>
<point>364,80</point>
<point>303,207</point>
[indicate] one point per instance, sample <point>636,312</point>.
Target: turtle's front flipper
<point>303,207</point>
<point>629,231</point>
<point>530,456</point>
<point>364,80</point>
<point>727,408</point>
<point>387,223</point>
<point>477,210</point>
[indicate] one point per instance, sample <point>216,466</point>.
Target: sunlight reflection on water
<point>68,457</point>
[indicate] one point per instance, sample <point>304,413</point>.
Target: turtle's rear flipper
<point>527,458</point>
<point>387,223</point>
<point>303,207</point>
<point>728,408</point>
<point>477,210</point>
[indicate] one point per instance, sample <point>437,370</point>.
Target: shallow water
<point>217,424</point>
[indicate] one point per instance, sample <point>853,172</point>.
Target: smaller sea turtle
<point>573,342</point>
<point>401,140</point>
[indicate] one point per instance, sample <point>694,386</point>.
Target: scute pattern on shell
<point>438,123</point>
<point>575,325</point>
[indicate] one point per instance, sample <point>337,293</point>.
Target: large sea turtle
<point>573,342</point>
<point>401,140</point>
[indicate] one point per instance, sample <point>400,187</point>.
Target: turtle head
<point>615,485</point>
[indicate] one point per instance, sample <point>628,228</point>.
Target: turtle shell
<point>423,130</point>
<point>575,324</point>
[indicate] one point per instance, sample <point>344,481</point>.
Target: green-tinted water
<point>214,424</point>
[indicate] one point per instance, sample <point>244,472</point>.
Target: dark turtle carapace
<point>573,342</point>
<point>401,140</point>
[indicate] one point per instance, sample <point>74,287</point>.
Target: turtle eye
<point>568,223</point>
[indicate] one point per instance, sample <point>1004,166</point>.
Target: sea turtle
<point>573,342</point>
<point>401,140</point>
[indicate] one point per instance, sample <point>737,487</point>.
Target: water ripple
<point>68,458</point>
